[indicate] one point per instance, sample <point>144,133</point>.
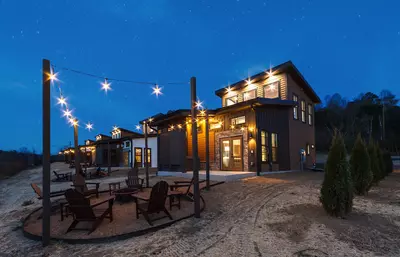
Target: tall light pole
<point>207,152</point>
<point>146,158</point>
<point>46,153</point>
<point>77,150</point>
<point>195,156</point>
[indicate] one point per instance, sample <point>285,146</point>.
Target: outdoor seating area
<point>119,210</point>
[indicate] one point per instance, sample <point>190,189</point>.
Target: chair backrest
<point>55,173</point>
<point>133,177</point>
<point>158,195</point>
<point>79,205</point>
<point>37,190</point>
<point>80,183</point>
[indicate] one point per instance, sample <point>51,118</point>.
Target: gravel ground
<point>275,215</point>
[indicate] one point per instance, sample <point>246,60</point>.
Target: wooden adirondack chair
<point>62,177</point>
<point>82,186</point>
<point>81,209</point>
<point>133,180</point>
<point>154,204</point>
<point>186,188</point>
<point>39,193</point>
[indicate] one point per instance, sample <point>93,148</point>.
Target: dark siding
<point>173,150</point>
<point>275,119</point>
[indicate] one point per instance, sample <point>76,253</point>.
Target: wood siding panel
<point>201,141</point>
<point>274,120</point>
<point>300,133</point>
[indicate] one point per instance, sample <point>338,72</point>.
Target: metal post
<point>383,121</point>
<point>146,163</point>
<point>207,152</point>
<point>196,193</point>
<point>46,153</point>
<point>77,150</point>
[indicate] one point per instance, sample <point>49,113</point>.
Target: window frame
<point>310,114</point>
<point>139,164</point>
<point>279,89</point>
<point>264,146</point>
<point>228,98</point>
<point>296,108</point>
<point>246,92</point>
<point>237,117</point>
<point>276,147</point>
<point>303,111</point>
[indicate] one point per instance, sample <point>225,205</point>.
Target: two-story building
<point>263,124</point>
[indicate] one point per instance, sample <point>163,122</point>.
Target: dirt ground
<point>274,215</point>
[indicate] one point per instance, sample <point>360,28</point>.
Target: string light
<point>138,127</point>
<point>115,128</point>
<point>179,126</point>
<point>172,127</point>
<point>242,128</point>
<point>62,101</point>
<point>232,126</point>
<point>157,91</point>
<point>53,76</point>
<point>89,126</point>
<point>199,104</point>
<point>228,89</point>
<point>105,86</point>
<point>202,112</point>
<point>150,120</point>
<point>67,113</point>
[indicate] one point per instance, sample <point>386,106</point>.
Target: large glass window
<point>310,114</point>
<point>138,156</point>
<point>231,100</point>
<point>264,146</point>
<point>271,90</point>
<point>303,111</point>
<point>274,147</point>
<point>238,120</point>
<point>296,107</point>
<point>249,95</point>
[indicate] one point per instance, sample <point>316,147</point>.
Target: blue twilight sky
<point>340,46</point>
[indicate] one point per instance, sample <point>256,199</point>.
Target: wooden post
<point>46,153</point>
<point>77,150</point>
<point>258,146</point>
<point>196,193</point>
<point>146,163</point>
<point>207,152</point>
<point>109,157</point>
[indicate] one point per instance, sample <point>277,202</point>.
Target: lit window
<point>149,156</point>
<point>310,114</point>
<point>238,120</point>
<point>296,107</point>
<point>274,147</point>
<point>264,146</point>
<point>308,149</point>
<point>138,157</point>
<point>271,90</point>
<point>249,95</point>
<point>303,111</point>
<point>231,100</point>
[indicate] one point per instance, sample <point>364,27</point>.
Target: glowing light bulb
<point>150,120</point>
<point>62,101</point>
<point>138,127</point>
<point>89,126</point>
<point>228,89</point>
<point>157,91</point>
<point>105,86</point>
<point>115,128</point>
<point>67,113</point>
<point>199,104</point>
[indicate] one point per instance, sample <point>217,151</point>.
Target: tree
<point>337,191</point>
<point>387,158</point>
<point>374,162</point>
<point>381,162</point>
<point>360,167</point>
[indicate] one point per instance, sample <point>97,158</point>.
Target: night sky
<point>340,46</point>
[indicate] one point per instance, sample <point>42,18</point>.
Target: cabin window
<point>264,146</point>
<point>138,156</point>
<point>308,149</point>
<point>310,114</point>
<point>249,95</point>
<point>231,100</point>
<point>238,120</point>
<point>296,107</point>
<point>271,90</point>
<point>127,144</point>
<point>149,156</point>
<point>303,111</point>
<point>274,147</point>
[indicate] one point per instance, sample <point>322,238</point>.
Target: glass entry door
<point>232,154</point>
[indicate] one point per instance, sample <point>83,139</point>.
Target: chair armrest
<point>172,187</point>
<point>92,183</point>
<point>182,182</point>
<point>111,200</point>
